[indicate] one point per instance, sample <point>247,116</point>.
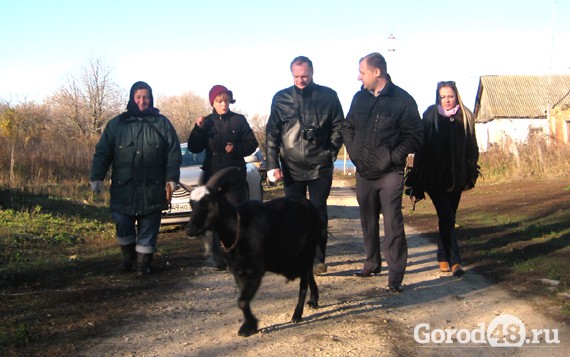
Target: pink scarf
<point>447,113</point>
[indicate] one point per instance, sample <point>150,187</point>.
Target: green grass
<point>39,232</point>
<point>19,336</point>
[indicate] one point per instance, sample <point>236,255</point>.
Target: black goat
<point>279,236</point>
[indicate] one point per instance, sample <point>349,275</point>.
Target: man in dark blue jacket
<point>382,127</point>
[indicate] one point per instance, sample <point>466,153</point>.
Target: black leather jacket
<point>304,132</point>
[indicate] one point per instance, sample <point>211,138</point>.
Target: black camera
<point>310,134</point>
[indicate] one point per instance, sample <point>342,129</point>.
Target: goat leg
<point>249,326</point>
<point>298,314</point>
<point>314,297</point>
<point>248,287</point>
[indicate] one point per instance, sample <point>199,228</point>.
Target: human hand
<point>415,196</point>
<point>229,147</point>
<point>275,175</point>
<point>96,186</point>
<point>200,122</point>
<point>171,186</point>
<point>410,161</point>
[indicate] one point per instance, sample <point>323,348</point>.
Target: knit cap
<point>219,89</point>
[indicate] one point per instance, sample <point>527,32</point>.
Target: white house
<point>510,108</point>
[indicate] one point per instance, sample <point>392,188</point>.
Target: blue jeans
<point>140,229</point>
<point>319,190</point>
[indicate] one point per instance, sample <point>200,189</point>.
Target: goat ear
<point>222,180</point>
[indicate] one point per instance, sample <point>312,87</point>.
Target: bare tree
<point>85,104</point>
<point>103,96</point>
<point>258,124</point>
<point>68,109</point>
<point>182,110</point>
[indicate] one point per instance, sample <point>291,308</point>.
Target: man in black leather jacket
<point>383,126</point>
<point>303,136</point>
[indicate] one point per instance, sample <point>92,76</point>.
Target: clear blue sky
<point>186,45</point>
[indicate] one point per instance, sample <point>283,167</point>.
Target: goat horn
<point>222,178</point>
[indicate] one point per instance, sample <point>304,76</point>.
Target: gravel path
<point>356,317</point>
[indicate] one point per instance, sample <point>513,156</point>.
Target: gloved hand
<point>96,186</point>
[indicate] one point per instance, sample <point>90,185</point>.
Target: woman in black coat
<point>445,166</point>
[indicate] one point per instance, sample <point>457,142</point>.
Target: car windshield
<point>191,159</point>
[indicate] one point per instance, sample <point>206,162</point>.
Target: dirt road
<point>357,316</point>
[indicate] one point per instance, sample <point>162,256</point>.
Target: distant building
<point>510,108</point>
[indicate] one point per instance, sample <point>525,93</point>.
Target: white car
<point>191,176</point>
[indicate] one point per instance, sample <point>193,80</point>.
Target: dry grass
<point>535,159</point>
<point>49,160</point>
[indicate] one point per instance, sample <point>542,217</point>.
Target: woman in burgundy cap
<point>227,138</point>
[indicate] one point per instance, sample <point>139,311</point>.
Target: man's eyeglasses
<point>445,83</point>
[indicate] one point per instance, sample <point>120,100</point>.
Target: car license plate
<point>180,207</point>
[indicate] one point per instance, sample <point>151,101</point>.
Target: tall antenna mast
<point>391,43</point>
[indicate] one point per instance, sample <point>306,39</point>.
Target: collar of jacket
<point>129,117</point>
<point>388,89</point>
<point>307,91</point>
<point>215,114</point>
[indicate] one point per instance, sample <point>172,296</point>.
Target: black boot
<point>129,256</point>
<point>143,263</point>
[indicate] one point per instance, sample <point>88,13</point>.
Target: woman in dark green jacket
<point>143,149</point>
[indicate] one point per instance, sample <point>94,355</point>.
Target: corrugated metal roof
<point>520,96</point>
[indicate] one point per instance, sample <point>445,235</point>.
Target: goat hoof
<point>313,304</point>
<point>246,331</point>
<point>296,319</point>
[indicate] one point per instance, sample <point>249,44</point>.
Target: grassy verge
<point>59,280</point>
<point>517,233</point>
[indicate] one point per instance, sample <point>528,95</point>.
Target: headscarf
<point>133,108</point>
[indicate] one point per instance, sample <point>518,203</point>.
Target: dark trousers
<point>383,195</point>
<point>319,190</point>
<point>446,204</point>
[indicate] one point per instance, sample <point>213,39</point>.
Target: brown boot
<point>457,270</point>
<point>444,267</point>
<point>129,256</point>
<point>143,263</point>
